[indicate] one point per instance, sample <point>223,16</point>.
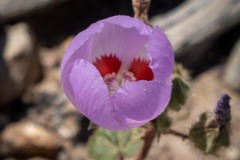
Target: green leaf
<point>197,133</point>
<point>208,136</point>
<point>179,93</point>
<point>180,87</point>
<point>109,145</point>
<point>162,123</point>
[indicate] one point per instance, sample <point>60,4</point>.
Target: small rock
<point>53,108</point>
<point>52,57</point>
<point>19,64</point>
<point>27,139</point>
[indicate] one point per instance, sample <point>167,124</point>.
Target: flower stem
<point>140,8</point>
<point>178,134</point>
<point>148,139</point>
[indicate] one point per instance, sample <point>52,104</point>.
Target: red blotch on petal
<point>141,70</point>
<point>107,64</point>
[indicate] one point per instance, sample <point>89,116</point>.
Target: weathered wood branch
<point>12,9</point>
<point>232,76</point>
<point>196,22</point>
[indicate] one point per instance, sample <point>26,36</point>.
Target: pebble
<point>26,139</point>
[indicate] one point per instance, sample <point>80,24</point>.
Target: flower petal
<point>161,55</point>
<point>90,94</point>
<point>115,39</point>
<point>130,22</point>
<point>80,46</point>
<point>121,35</point>
<point>139,102</point>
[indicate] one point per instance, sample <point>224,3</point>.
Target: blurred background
<point>36,120</point>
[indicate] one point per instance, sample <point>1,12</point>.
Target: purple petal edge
<point>141,101</point>
<point>161,55</point>
<point>91,96</point>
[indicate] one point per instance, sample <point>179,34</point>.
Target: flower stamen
<point>112,84</point>
<point>127,77</point>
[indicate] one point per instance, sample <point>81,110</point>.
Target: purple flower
<point>117,72</point>
<point>223,110</point>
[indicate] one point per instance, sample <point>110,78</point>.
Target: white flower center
<point>115,81</point>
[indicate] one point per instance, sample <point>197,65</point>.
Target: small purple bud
<point>222,110</point>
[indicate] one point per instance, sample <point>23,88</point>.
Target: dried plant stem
<point>148,139</point>
<point>178,134</point>
<point>140,8</point>
<point>120,156</point>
